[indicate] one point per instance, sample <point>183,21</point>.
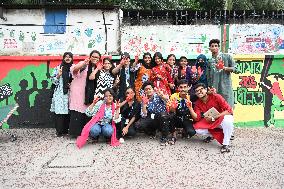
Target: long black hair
<point>66,75</point>
<point>90,84</point>
<point>158,54</point>
<point>151,62</point>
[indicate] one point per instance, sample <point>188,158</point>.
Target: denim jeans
<point>106,130</point>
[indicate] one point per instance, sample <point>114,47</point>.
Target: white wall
<point>257,39</point>
<point>189,40</point>
<point>85,33</point>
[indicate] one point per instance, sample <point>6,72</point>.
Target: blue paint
<point>55,21</point>
<point>89,32</point>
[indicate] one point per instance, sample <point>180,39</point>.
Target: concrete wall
<point>189,40</point>
<point>28,76</point>
<point>256,39</point>
<point>192,40</point>
<point>23,32</point>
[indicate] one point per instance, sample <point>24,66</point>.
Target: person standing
<point>143,72</point>
<point>219,70</point>
<point>82,91</point>
<point>61,79</point>
<point>160,76</point>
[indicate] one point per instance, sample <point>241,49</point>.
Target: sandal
<point>164,141</point>
<point>225,148</point>
<point>208,139</point>
<point>172,141</point>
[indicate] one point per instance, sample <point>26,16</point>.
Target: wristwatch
<point>212,119</point>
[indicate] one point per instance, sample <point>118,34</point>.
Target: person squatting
<point>95,99</point>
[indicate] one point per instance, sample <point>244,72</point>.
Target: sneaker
<point>172,141</point>
<point>121,140</point>
<point>152,136</point>
<point>163,141</point>
<point>225,148</point>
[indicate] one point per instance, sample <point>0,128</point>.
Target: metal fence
<point>188,17</point>
<point>172,17</point>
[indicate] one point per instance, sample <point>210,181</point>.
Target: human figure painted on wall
<point>274,101</point>
<point>22,98</point>
<point>219,70</point>
<point>42,105</point>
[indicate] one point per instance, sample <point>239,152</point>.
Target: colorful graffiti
<point>179,40</point>
<point>256,39</point>
<point>258,90</point>
<point>16,41</point>
<point>259,86</point>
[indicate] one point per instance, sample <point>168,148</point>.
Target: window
<point>55,21</point>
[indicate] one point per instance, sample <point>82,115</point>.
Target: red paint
<point>275,90</point>
<point>8,63</point>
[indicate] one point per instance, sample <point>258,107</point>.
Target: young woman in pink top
<point>82,91</point>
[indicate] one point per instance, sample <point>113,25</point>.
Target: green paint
<point>1,34</point>
<point>203,37</point>
<point>5,126</point>
<point>91,44</point>
<point>279,123</point>
<point>32,98</point>
<point>15,76</point>
<point>277,65</point>
<point>22,36</point>
<point>12,33</point>
<point>33,36</point>
<point>226,47</point>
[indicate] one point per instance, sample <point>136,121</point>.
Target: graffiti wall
<point>50,32</point>
<point>259,90</point>
<point>179,40</point>
<point>25,80</point>
<point>256,39</point>
<point>258,84</point>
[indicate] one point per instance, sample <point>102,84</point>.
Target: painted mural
<point>258,83</point>
<point>29,87</point>
<point>179,40</point>
<point>53,32</point>
<point>259,90</point>
<point>256,39</point>
<point>23,42</point>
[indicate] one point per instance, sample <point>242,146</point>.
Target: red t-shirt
<point>216,101</point>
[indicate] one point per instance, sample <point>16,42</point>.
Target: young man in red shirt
<point>221,125</point>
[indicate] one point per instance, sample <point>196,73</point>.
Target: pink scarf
<point>82,139</point>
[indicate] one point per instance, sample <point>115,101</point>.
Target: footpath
<point>38,159</point>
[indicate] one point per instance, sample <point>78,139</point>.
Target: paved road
<point>40,160</point>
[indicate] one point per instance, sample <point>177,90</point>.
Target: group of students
<point>95,98</point>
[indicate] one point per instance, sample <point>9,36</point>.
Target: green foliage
<point>213,5</point>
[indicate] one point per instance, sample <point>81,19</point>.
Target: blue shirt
<point>156,105</point>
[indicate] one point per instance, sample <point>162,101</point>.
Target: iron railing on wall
<point>189,17</point>
<point>55,4</point>
<point>172,17</point>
